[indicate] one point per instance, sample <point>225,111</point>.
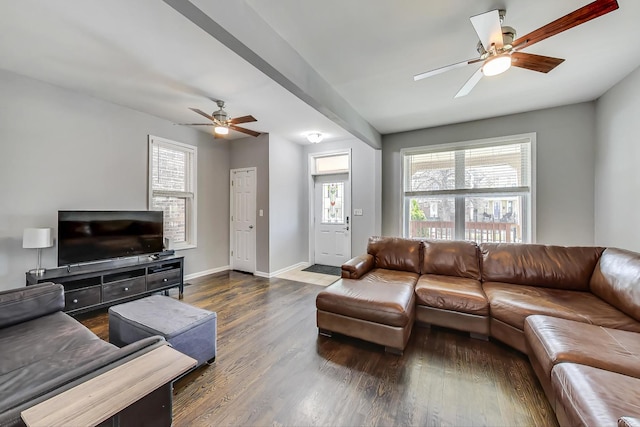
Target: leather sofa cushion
<point>511,304</point>
<point>539,265</point>
<point>552,340</point>
<point>396,253</point>
<point>452,293</point>
<point>381,296</point>
<point>451,258</point>
<point>594,397</point>
<point>616,280</point>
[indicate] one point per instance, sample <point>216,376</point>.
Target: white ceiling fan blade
<point>445,68</point>
<point>487,26</point>
<point>470,84</point>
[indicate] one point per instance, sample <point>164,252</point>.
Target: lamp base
<point>37,271</point>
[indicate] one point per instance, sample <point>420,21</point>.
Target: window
<point>172,189</point>
<point>332,199</point>
<point>332,164</point>
<point>478,191</point>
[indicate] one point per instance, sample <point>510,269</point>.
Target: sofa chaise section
<point>375,299</point>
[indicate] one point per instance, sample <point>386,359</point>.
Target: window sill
<point>184,246</point>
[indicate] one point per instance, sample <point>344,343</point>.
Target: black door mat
<point>324,269</point>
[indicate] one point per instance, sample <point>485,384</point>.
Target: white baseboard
<point>282,270</point>
<point>257,273</point>
<point>206,272</point>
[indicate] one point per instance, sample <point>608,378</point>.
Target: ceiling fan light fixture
<point>221,130</point>
<point>496,65</point>
<point>315,137</point>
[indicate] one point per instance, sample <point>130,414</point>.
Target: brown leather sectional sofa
<point>575,311</point>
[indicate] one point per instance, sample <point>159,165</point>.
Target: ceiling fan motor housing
<point>220,115</point>
<point>508,36</point>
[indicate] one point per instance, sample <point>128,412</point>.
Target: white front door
<point>332,210</point>
<point>243,219</point>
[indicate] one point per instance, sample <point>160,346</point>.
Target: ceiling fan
<point>499,51</point>
<point>220,119</point>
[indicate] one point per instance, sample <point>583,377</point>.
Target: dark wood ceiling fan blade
<point>244,130</point>
<point>243,119</point>
<point>202,113</point>
<point>575,18</point>
<point>542,64</point>
<point>445,68</point>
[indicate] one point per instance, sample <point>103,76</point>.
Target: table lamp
<point>37,238</point>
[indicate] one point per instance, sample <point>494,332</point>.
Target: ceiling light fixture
<point>315,137</point>
<point>221,130</point>
<point>496,65</point>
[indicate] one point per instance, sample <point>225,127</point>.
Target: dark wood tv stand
<point>93,286</point>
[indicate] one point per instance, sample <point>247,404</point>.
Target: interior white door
<point>332,210</point>
<point>243,219</point>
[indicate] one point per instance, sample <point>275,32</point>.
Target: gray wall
<point>288,205</point>
<point>64,150</point>
<point>254,152</point>
<point>366,179</point>
<point>565,167</point>
<point>617,180</point>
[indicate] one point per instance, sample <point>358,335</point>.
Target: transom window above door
<point>480,191</point>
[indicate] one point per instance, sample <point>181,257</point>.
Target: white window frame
<point>190,195</point>
<point>478,143</point>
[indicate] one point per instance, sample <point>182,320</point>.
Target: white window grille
<point>479,190</point>
<point>172,189</point>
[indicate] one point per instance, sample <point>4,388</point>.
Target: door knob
<point>251,227</point>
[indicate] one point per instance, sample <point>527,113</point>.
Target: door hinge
<point>231,253</point>
<point>232,183</point>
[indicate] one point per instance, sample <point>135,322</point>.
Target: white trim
<point>206,272</point>
<point>282,270</point>
<point>311,169</point>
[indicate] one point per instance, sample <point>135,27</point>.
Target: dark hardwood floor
<point>273,368</point>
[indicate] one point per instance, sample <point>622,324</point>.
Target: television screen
<point>85,236</point>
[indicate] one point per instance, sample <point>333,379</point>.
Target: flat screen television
<point>86,236</point>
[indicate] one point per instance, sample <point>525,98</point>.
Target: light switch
<point>261,212</point>
<point>357,212</point>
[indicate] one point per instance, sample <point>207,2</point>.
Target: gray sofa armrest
<point>23,304</point>
<point>24,399</point>
<point>356,267</point>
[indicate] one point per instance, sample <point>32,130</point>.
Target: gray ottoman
<point>188,329</point>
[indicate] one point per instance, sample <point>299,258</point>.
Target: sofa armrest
<point>356,267</point>
<point>629,422</point>
<point>102,397</point>
<point>23,304</point>
<point>24,399</point>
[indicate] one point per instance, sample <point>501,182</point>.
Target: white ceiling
<point>144,55</point>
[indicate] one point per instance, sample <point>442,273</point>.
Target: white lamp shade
<point>37,238</point>
<point>315,137</point>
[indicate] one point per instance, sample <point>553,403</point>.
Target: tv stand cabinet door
<point>123,289</point>
<point>164,279</point>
